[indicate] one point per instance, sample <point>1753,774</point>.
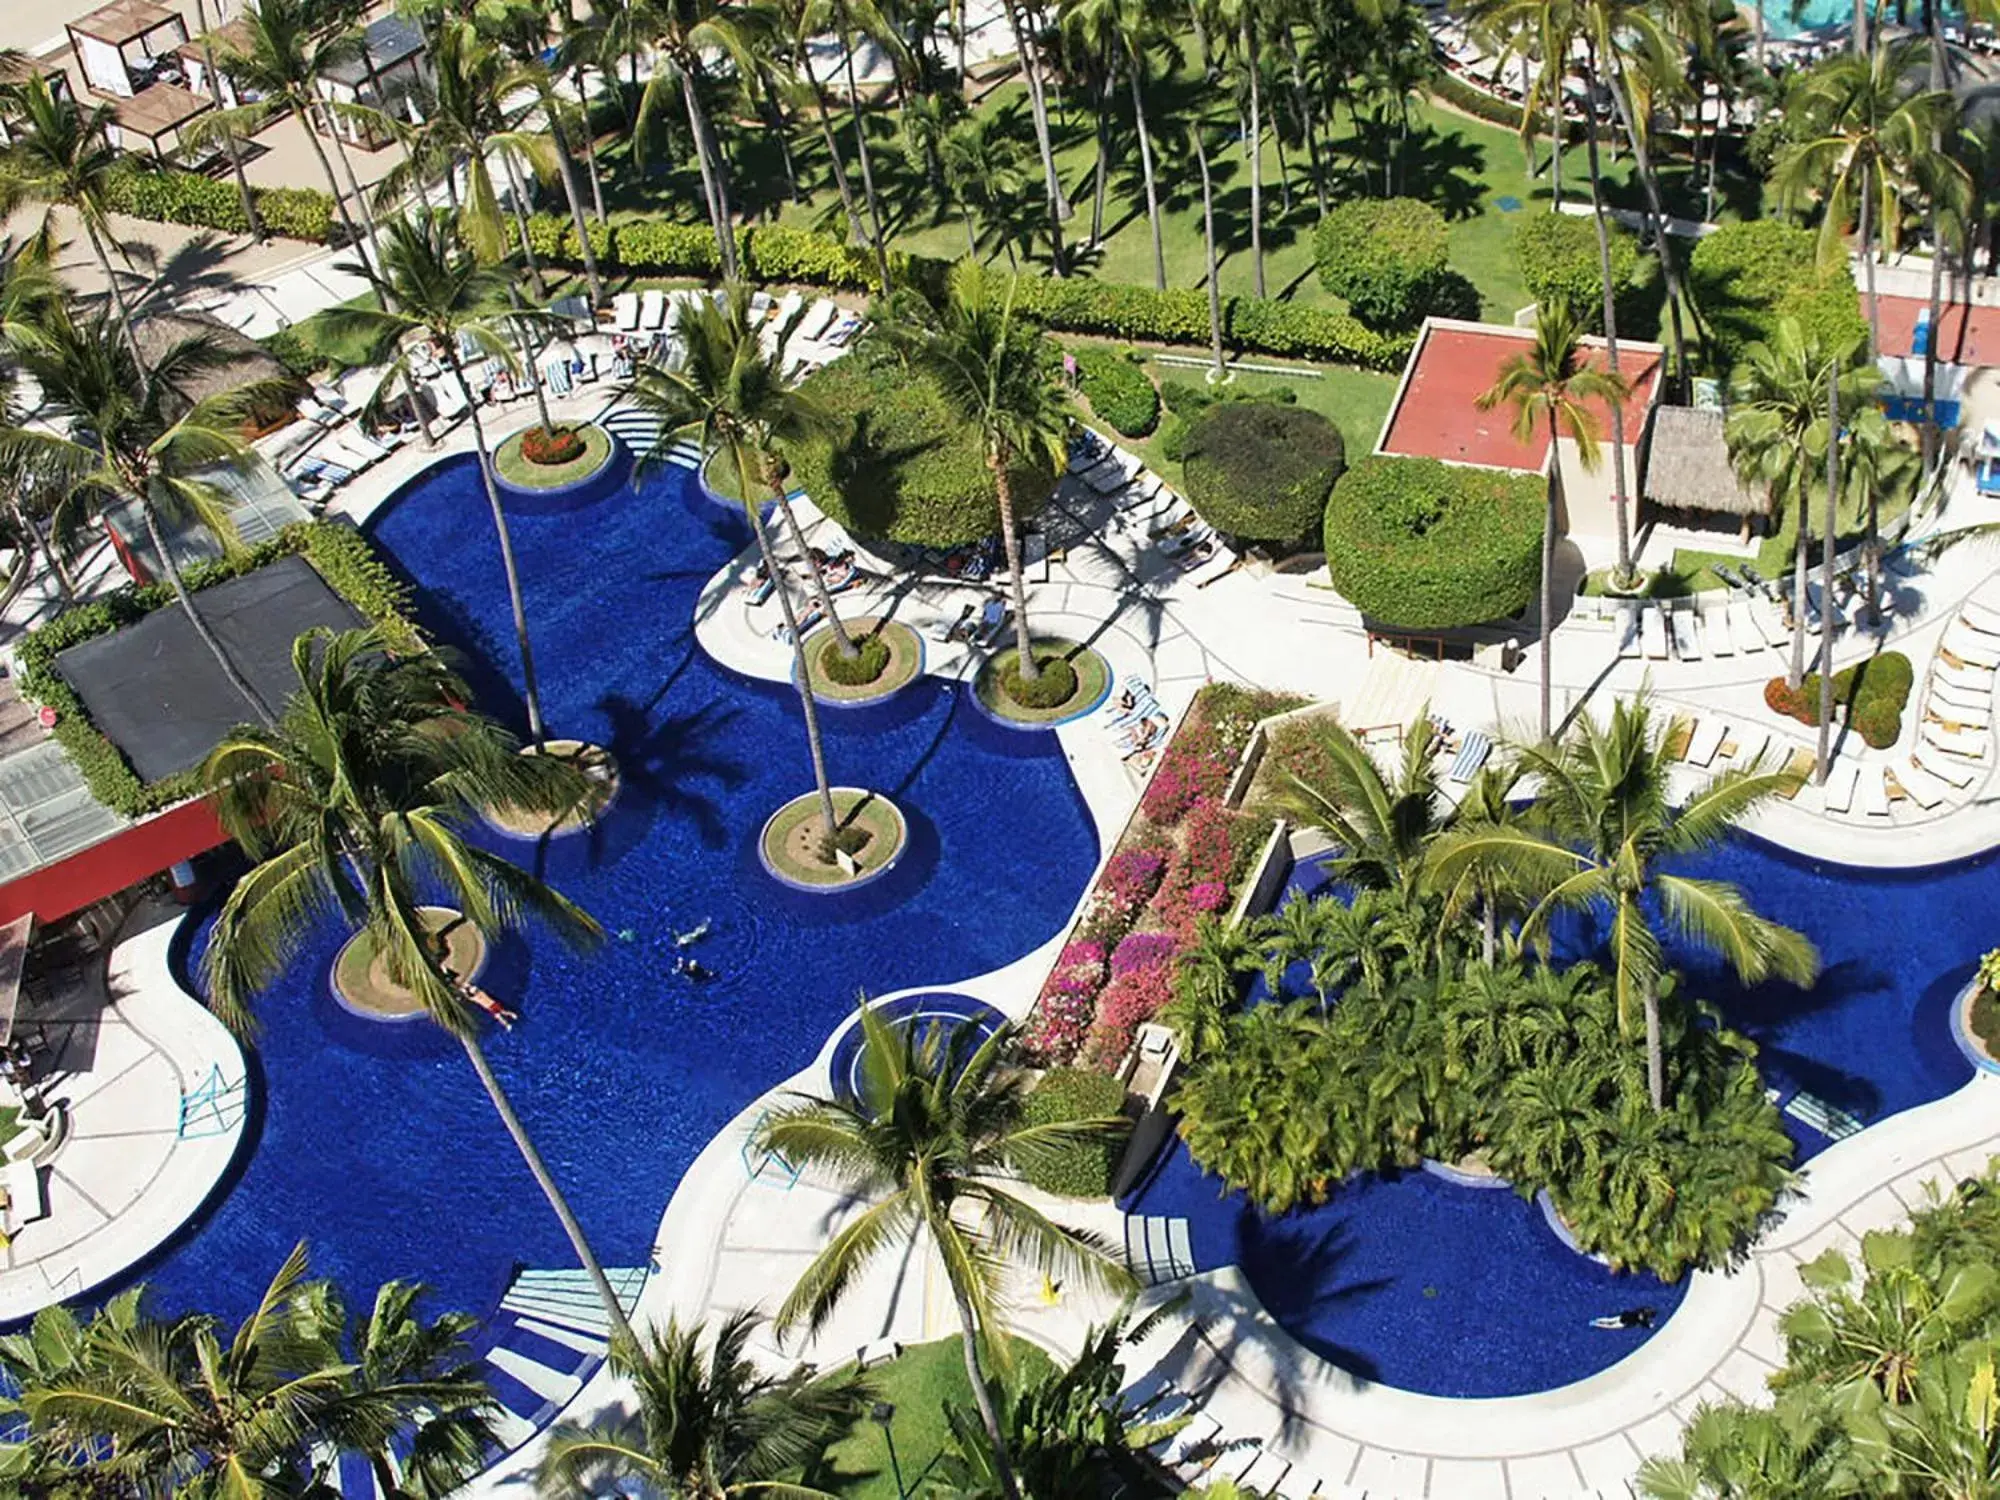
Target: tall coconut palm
<point>737,393</point>
<point>688,30</point>
<point>232,148</point>
<point>125,434</point>
<point>441,290</point>
<point>854,20</point>
<point>61,155</point>
<point>983,172</point>
<point>1596,839</point>
<point>1217,369</point>
<point>1542,33</point>
<point>1548,385</point>
<point>991,367</point>
<point>127,1404</point>
<point>1027,46</point>
<point>797,24</point>
<point>1777,433</point>
<point>1129,26</point>
<point>709,1426</point>
<point>355,804</point>
<point>1245,18</point>
<point>936,1133</point>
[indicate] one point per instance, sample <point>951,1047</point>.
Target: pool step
<point>548,1338</point>
<point>1831,1121</point>
<point>1157,1249</point>
<point>640,430</point>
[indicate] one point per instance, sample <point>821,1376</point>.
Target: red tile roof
<point>1966,335</point>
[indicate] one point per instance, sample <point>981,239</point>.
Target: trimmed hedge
<point>1870,694</point>
<point>174,197</point>
<point>870,660</point>
<point>1459,94</point>
<point>1557,254</point>
<point>1425,545</point>
<point>1082,1169</point>
<point>1055,679</point>
<point>338,553</point>
<point>781,254</point>
<point>1747,277</point>
<point>1262,471</point>
<point>895,465</point>
<point>1385,256</point>
<point>1118,391</point>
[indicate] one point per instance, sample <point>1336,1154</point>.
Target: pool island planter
<point>599,767</point>
<point>359,981</point>
<point>783,842</point>
<point>1093,685</point>
<point>1976,1050</point>
<point>581,481</point>
<point>905,664</point>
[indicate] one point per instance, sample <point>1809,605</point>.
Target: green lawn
<point>917,1383</point>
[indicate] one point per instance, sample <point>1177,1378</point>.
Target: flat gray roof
<point>385,43</point>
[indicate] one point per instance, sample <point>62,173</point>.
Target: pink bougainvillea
<point>1058,1027</point>
<point>1198,877</point>
<point>1131,876</point>
<point>1143,950</point>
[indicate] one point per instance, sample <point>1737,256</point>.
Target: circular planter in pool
<point>1975,1048</point>
<point>360,979</point>
<point>905,662</point>
<point>599,767</point>
<point>946,1010</point>
<point>583,480</point>
<point>868,820</point>
<point>1093,685</point>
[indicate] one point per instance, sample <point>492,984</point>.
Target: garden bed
<point>598,766</point>
<point>513,466</point>
<point>1870,696</point>
<point>898,648</point>
<point>871,835</point>
<point>361,980</point>
<point>1089,682</point>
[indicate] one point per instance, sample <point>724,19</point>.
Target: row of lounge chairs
<point>332,459</point>
<point>1143,503</point>
<point>980,630</point>
<point>816,333</point>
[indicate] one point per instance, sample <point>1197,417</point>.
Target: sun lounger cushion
<point>1715,631</point>
<point>1744,633</point>
<point>1653,632</point>
<point>1840,785</point>
<point>1968,645</point>
<point>1926,790</point>
<point>1966,742</point>
<point>1750,745</point>
<point>1687,644</point>
<point>1706,740</point>
<point>625,311</point>
<point>1874,793</point>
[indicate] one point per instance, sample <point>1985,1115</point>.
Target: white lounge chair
<point>1706,741</point>
<point>1716,633</point>
<point>1875,793</point>
<point>26,1202</point>
<point>1948,769</point>
<point>1969,646</point>
<point>1750,746</point>
<point>625,312</point>
<point>1973,679</point>
<point>1924,789</point>
<point>1840,785</point>
<point>1980,617</point>
<point>1653,634</point>
<point>450,400</point>
<point>1969,743</point>
<point>1628,631</point>
<point>1746,635</point>
<point>1962,701</point>
<point>1687,640</point>
<point>819,317</point>
<point>1770,624</point>
<point>652,310</point>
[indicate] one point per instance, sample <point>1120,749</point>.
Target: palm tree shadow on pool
<point>1310,1285</point>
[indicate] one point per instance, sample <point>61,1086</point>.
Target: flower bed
<point>1184,855</point>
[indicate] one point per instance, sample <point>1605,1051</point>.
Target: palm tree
<point>287,48</point>
<point>355,802</point>
<point>1245,15</point>
<point>232,147</point>
<point>441,290</point>
<point>937,1130</point>
<point>133,1405</point>
<point>1865,138</point>
<point>1027,48</point>
<point>1217,368</point>
<point>1544,32</point>
<point>798,22</point>
<point>1596,838</point>
<point>61,155</point>
<point>738,394</point>
<point>418,1397</point>
<point>1873,1340</point>
<point>1127,25</point>
<point>1947,1440</point>
<point>1383,828</point>
<point>1547,385</point>
<point>992,370</point>
<point>1796,1451</point>
<point>1777,433</point>
<point>686,29</point>
<point>850,17</point>
<point>983,171</point>
<point>133,438</point>
<point>707,1428</point>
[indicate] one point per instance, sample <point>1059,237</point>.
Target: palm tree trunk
<point>417,406</point>
<point>354,187</point>
<point>1010,541</point>
<point>229,141</point>
<point>816,578</point>
<point>1656,1066</point>
<point>537,732</point>
<point>1620,502</point>
<point>1642,159</point>
<point>566,170</point>
<point>1039,109</point>
<point>528,366</point>
<point>1801,550</point>
<point>1549,577</point>
<point>1254,145</point>
<point>1146,171</point>
<point>711,175</point>
<point>517,195</point>
<point>1101,172</point>
<point>333,182</point>
<point>1208,237</point>
<point>1826,547</point>
<point>622,1335</point>
<point>854,225</point>
<point>590,148</point>
<point>171,569</point>
<point>861,145</point>
<point>1308,120</point>
<point>989,1416</point>
<point>801,674</point>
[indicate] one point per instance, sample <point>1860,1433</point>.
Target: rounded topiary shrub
<point>1384,255</point>
<point>1748,277</point>
<point>1118,391</point>
<point>1079,1169</point>
<point>1558,257</point>
<point>1055,680</point>
<point>871,656</point>
<point>1260,471</point>
<point>1425,545</point>
<point>895,464</point>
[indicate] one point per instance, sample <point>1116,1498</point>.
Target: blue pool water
<point>1460,1291</point>
<point>376,1144</point>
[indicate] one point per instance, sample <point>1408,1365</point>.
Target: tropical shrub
<point>1558,257</point>
<point>1053,684</point>
<point>896,465</point>
<point>1067,1003</point>
<point>870,659</point>
<point>1262,472</point>
<point>1425,545</point>
<point>1118,391</point>
<point>1871,695</point>
<point>1385,256</point>
<point>1064,1095</point>
<point>175,197</point>
<point>337,552</point>
<point>1749,276</point>
<point>299,213</point>
<point>551,445</point>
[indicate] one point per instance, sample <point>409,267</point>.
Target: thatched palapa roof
<point>1687,466</point>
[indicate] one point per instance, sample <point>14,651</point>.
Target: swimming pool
<point>376,1144</point>
<point>1459,1291</point>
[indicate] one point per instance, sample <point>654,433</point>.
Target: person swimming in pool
<point>692,968</point>
<point>1632,1317</point>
